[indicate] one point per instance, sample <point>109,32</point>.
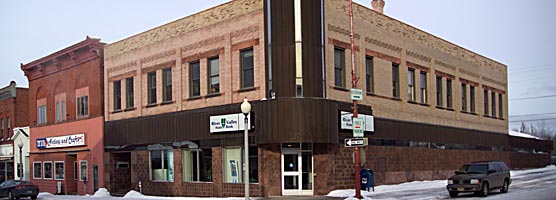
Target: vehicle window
<point>502,166</point>
<point>474,168</point>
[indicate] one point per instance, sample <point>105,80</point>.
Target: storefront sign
<point>61,141</point>
<point>347,123</point>
<point>6,150</point>
<point>231,122</point>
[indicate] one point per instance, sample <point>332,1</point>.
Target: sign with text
<point>358,127</point>
<point>355,142</point>
<point>356,94</point>
<point>61,141</point>
<point>346,121</point>
<point>231,122</point>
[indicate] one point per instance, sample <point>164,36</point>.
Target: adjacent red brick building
<point>14,112</point>
<point>66,118</point>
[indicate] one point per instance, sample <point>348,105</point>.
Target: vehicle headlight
<point>474,181</point>
<point>450,182</point>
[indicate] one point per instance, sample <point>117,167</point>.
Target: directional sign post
<point>356,142</point>
<point>358,127</point>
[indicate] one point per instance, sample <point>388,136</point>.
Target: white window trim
<point>87,169</point>
<point>63,170</point>
<point>34,168</point>
<point>162,160</point>
<point>44,170</point>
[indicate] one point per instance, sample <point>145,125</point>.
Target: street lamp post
<point>20,168</point>
<point>245,109</point>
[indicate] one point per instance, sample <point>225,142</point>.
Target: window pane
<point>411,84</point>
<point>439,91</point>
<point>58,111</point>
<point>195,79</point>
<point>253,165</point>
<point>493,99</point>
<point>63,110</point>
<point>472,98</point>
<point>59,170</point>
<point>47,170</point>
<point>213,76</point>
<point>37,170</point>
<point>232,165</point>
<point>500,107</point>
<point>167,81</point>
<point>83,170</point>
<point>156,165</point>
<point>117,95</point>
<point>395,80</point>
<point>188,165</point>
<point>339,67</point>
<point>485,101</point>
<point>247,65</point>
<point>449,93</point>
<point>129,92</point>
<point>463,97</point>
<point>369,74</point>
<point>151,87</point>
<point>423,87</point>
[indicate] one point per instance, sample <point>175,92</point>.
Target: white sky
<point>517,33</point>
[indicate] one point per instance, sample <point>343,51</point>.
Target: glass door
<point>297,172</point>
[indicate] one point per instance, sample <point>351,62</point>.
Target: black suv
<point>480,177</point>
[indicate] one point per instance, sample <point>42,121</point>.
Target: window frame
<point>449,96</point>
<point>395,80</point>
<point>44,163</point>
<point>369,74</point>
<point>196,177</point>
<point>423,87</point>
<point>129,90</point>
<point>411,85</point>
<point>117,94</point>
<point>163,155</point>
<point>500,106</point>
<point>485,102</point>
<point>439,96</point>
<point>493,105</point>
<point>463,97</point>
<point>81,172</point>
<point>82,106</point>
<point>35,168</point>
<point>244,69</point>
<point>41,114</point>
<point>167,84</point>
<point>63,170</point>
<point>151,88</point>
<point>340,67</point>
<point>194,69</point>
<point>210,75</point>
<point>472,99</point>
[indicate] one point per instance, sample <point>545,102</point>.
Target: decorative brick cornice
<point>417,66</point>
<point>203,43</point>
<point>341,44</point>
<point>122,76</point>
<point>469,73</point>
<point>418,56</point>
<point>438,62</point>
<point>245,44</point>
<point>493,81</point>
<point>383,44</point>
<point>245,31</point>
<point>445,75</point>
<point>342,31</point>
<point>382,56</point>
<point>121,67</point>
<point>158,67</point>
<point>206,54</point>
<point>468,82</point>
<point>159,56</point>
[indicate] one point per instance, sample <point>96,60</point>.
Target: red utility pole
<point>354,80</point>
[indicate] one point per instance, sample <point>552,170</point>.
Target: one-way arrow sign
<point>355,142</point>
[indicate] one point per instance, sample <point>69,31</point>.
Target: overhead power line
<point>532,120</point>
<point>539,97</point>
<point>533,114</point>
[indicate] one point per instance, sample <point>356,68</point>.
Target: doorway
<point>297,169</point>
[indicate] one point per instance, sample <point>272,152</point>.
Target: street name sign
<point>355,142</point>
<point>356,94</point>
<point>358,127</point>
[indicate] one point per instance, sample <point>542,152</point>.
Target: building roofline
<point>418,29</point>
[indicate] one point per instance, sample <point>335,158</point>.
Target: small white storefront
<point>20,151</point>
<point>6,162</point>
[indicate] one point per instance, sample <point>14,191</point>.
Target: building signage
<point>231,122</point>
<point>346,122</point>
<point>61,141</point>
<point>358,127</point>
<point>356,94</point>
<point>355,142</point>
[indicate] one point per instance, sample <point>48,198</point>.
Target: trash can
<point>367,179</point>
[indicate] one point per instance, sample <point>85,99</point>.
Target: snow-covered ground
<point>526,184</point>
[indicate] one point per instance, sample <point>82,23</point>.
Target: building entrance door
<point>297,171</point>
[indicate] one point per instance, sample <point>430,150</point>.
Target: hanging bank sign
<point>231,122</point>
<point>61,141</point>
<point>346,121</point>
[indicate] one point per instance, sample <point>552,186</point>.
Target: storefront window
<point>59,170</point>
<point>37,170</point>
<point>10,170</point>
<point>197,165</point>
<point>233,162</point>
<point>2,171</point>
<point>47,170</point>
<point>83,169</point>
<point>162,165</point>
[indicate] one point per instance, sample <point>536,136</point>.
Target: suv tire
<point>484,190</point>
<point>453,194</point>
<point>505,187</point>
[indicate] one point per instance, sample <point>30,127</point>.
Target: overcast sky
<point>520,34</point>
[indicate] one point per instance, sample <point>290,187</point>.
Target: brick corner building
<point>172,97</point>
<point>66,119</point>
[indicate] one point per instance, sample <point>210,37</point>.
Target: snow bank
<point>133,194</point>
<point>102,192</point>
<point>523,135</point>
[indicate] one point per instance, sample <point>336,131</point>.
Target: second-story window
<point>82,106</point>
<point>485,101</point>
<point>2,130</point>
<point>463,97</point>
<point>500,107</point>
<point>493,99</point>
<point>439,91</point>
<point>472,98</point>
<point>395,80</point>
<point>9,131</point>
<point>167,84</point>
<point>369,74</point>
<point>117,95</point>
<point>449,93</point>
<point>194,79</point>
<point>247,68</point>
<point>129,101</point>
<point>41,114</point>
<point>213,75</point>
<point>151,87</point>
<point>339,67</point>
<point>423,87</point>
<point>411,84</point>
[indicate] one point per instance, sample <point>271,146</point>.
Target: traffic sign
<point>356,94</point>
<point>355,142</point>
<point>358,127</point>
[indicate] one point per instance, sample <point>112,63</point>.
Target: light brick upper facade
<point>221,31</point>
<point>395,41</point>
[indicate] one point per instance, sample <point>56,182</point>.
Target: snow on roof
<point>524,135</point>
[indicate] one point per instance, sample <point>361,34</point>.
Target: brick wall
<point>22,108</point>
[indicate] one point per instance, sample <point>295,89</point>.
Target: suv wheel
<point>505,187</point>
<point>453,194</point>
<point>484,190</point>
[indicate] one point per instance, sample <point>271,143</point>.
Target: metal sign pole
<point>354,80</point>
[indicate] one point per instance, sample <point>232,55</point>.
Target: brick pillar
<point>217,179</point>
<point>378,5</point>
